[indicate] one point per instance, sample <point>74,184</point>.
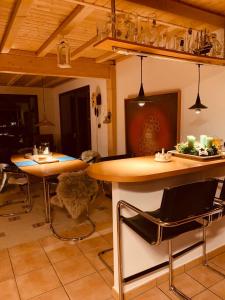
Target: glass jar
<point>143,31</point>
<point>216,45</point>
<point>153,32</point>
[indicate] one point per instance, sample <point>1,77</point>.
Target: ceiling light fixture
<point>141,99</point>
<point>198,106</point>
<point>63,55</point>
<point>44,122</point>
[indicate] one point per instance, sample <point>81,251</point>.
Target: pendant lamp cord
<point>198,77</point>
<point>43,94</point>
<point>141,67</point>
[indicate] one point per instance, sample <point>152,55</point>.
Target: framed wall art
<point>155,125</point>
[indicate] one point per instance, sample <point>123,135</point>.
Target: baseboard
<point>162,278</point>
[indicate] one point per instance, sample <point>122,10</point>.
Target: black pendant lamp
<point>198,105</point>
<point>141,99</point>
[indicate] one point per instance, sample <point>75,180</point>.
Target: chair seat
<point>149,230</point>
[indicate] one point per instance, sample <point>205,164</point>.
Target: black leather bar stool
<point>183,208</point>
<point>221,201</point>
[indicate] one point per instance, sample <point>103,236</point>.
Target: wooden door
<point>75,121</point>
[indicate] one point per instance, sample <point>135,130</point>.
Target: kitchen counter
<point>140,181</point>
<point>146,168</point>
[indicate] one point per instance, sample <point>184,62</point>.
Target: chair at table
<point>90,156</point>
<point>181,209</point>
<point>11,176</point>
<point>74,191</point>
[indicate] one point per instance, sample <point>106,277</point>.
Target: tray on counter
<point>195,157</point>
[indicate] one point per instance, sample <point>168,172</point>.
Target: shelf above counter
<point>109,44</point>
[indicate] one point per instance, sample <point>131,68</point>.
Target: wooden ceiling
<point>24,80</point>
<point>30,31</point>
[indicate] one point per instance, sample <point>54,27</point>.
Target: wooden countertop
<point>49,169</point>
<point>145,168</point>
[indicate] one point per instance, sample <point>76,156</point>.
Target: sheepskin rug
<point>74,192</point>
<point>90,156</point>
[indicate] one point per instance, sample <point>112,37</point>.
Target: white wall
<point>99,136</point>
<point>160,75</point>
<point>48,99</point>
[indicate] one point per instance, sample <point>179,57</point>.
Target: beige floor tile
<point>219,289</point>
<point>99,290</point>
<point>49,241</point>
<point>57,294</point>
<point>28,262</point>
<point>109,238</point>
<point>8,290</point>
<point>73,268</point>
<point>107,276</point>
<point>94,259</point>
<point>186,284</point>
<point>204,275</point>
<point>218,268</point>
<point>24,248</point>
<point>62,251</point>
<point>153,294</point>
<point>37,282</point>
<point>92,256</point>
<point>3,254</point>
<point>103,225</point>
<point>206,295</point>
<point>219,260</point>
<point>6,271</point>
<point>92,243</point>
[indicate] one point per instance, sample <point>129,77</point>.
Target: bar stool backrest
<point>187,200</point>
<point>222,193</point>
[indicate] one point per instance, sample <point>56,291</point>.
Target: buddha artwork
<point>152,126</point>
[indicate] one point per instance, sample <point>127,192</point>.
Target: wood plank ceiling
<point>30,31</point>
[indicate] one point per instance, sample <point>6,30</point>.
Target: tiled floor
<point>49,269</point>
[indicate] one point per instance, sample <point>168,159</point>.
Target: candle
<point>209,141</point>
<point>190,140</point>
<point>203,139</point>
<point>163,151</point>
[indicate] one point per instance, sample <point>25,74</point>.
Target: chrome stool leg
<point>60,236</point>
<point>101,254</point>
<point>27,202</point>
<point>171,277</point>
<point>75,238</point>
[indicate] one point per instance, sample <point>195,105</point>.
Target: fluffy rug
<point>90,156</point>
<point>74,192</point>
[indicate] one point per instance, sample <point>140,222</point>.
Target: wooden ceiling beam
<point>47,66</point>
<point>80,50</point>
<point>107,56</point>
<point>184,10</point>
<point>76,16</point>
<point>19,13</point>
<point>88,4</point>
<point>57,81</point>
<point>33,81</point>
<point>14,79</point>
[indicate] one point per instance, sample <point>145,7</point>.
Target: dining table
<point>46,168</point>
